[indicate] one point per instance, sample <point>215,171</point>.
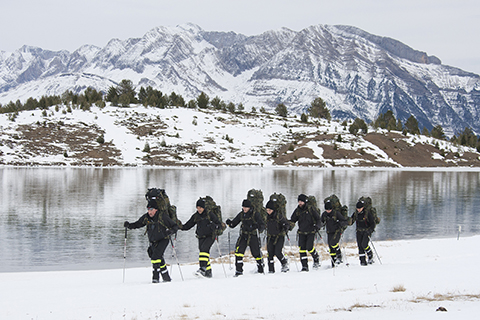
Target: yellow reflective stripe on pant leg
<point>311,251</point>
<point>335,246</point>
<point>157,261</point>
<point>239,255</point>
<point>302,251</point>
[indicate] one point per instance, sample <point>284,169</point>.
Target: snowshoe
<point>316,265</point>
<point>285,267</point>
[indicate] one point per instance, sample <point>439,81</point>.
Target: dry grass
<point>398,288</point>
<point>446,297</point>
<point>357,306</point>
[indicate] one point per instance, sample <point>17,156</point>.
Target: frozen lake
<point>72,218</point>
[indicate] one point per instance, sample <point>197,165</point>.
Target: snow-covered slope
<point>115,136</point>
<point>358,74</point>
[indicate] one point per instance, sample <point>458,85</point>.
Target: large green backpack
<point>256,198</point>
<point>312,203</point>
<point>369,208</point>
<point>339,209</point>
<point>280,203</point>
<point>211,206</point>
<point>163,202</point>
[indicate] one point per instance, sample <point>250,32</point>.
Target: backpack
<point>211,206</point>
<point>312,203</point>
<point>163,202</point>
<point>256,198</point>
<point>338,208</point>
<point>280,203</point>
<point>369,208</point>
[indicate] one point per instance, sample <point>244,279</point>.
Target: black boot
<point>271,265</point>
<point>339,256</point>
<point>156,273</point>
<point>260,266</point>
<point>208,273</point>
<point>370,256</point>
<point>165,275</point>
<point>284,263</point>
<point>316,260</point>
<point>304,261</point>
<point>238,265</point>
<point>363,261</point>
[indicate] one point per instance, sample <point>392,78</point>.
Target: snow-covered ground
<point>416,278</point>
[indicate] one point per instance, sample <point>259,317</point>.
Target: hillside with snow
<point>140,136</point>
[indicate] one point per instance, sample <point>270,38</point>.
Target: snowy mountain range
<point>358,74</point>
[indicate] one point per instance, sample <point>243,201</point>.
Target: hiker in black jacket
<point>277,226</point>
<point>252,224</point>
<point>334,222</point>
<point>159,228</point>
<point>308,224</point>
<point>207,223</point>
<point>365,222</point>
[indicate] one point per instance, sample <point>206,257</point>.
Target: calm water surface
<point>72,218</point>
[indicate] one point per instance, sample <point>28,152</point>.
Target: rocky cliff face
<point>358,74</point>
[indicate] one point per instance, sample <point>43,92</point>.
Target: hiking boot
<point>316,265</point>
<point>156,276</point>
<point>363,262</point>
<point>305,269</point>
<point>260,266</point>
<point>237,274</point>
<point>208,273</point>
<point>166,276</point>
<point>200,272</point>
<point>285,267</point>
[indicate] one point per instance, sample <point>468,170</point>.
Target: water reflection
<point>70,218</point>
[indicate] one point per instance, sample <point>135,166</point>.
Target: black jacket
<point>207,223</point>
<point>308,219</point>
<point>277,224</point>
<point>333,221</point>
<point>251,221</point>
<point>365,221</point>
<point>156,227</point>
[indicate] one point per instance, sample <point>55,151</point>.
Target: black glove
<point>260,230</point>
<point>316,228</point>
<point>169,232</point>
<point>126,224</point>
<point>228,222</point>
<point>213,226</point>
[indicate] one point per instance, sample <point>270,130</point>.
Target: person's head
<point>246,205</point>
<point>200,206</point>
<point>152,208</point>
<point>302,199</point>
<point>328,206</point>
<point>360,205</point>
<point>270,207</point>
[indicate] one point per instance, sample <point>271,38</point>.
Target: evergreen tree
<point>281,110</point>
<point>202,101</point>
<point>216,103</point>
<point>318,109</point>
<point>411,125</point>
<point>357,125</point>
<point>437,132</point>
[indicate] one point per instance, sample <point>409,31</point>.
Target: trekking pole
<point>344,250</point>
<point>459,230</point>
<point>229,251</point>
<point>374,249</point>
<point>328,251</point>
<point>124,254</point>
<point>221,258</point>
<point>289,242</point>
<point>176,257</point>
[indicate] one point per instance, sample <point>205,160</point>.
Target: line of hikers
<point>161,222</point>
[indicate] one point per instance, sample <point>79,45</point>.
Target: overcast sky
<point>446,29</point>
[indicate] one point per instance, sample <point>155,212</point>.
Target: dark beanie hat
<point>200,203</point>
<point>270,205</point>
<point>152,204</point>
<point>360,204</point>
<point>328,205</point>
<point>246,203</point>
<point>302,198</point>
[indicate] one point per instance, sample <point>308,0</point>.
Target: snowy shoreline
<point>416,278</point>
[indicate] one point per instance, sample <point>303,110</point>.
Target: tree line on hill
<point>124,94</point>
